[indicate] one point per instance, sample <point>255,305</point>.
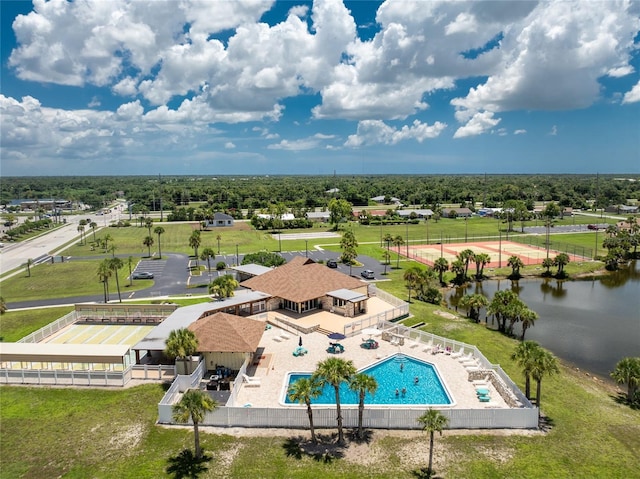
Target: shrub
<point>220,265</point>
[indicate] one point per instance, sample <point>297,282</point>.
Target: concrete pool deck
<point>276,360</point>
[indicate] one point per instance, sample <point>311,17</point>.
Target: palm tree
<point>28,265</point>
<point>628,371</point>
<point>528,319</point>
<point>80,230</point>
<point>397,242</point>
<point>3,305</point>
<point>112,249</point>
<point>335,371</point>
<point>457,267</point>
<point>115,264</point>
<point>387,258</point>
<point>547,263</point>
<point>93,225</point>
<point>159,230</point>
<point>180,344</point>
<point>194,405</point>
<point>481,259</point>
<point>223,286</point>
<point>106,240</point>
<point>388,239</point>
<point>411,277</point>
<point>218,238</point>
<point>148,242</point>
<point>473,303</point>
<point>207,255</point>
<point>304,390</point>
<point>467,256</point>
<point>362,384</point>
<point>523,355</point>
<point>543,363</point>
<point>432,421</point>
<point>561,261</point>
<point>104,273</point>
<point>148,222</point>
<point>515,263</point>
<point>194,242</point>
<point>441,265</point>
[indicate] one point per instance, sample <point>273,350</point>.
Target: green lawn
<point>65,280</point>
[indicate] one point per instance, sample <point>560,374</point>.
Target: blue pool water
<point>395,373</point>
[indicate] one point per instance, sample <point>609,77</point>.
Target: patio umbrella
<point>336,336</point>
<point>300,341</point>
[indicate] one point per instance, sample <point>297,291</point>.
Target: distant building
<point>459,212</point>
<point>381,200</point>
<point>420,213</point>
<point>221,219</point>
<point>319,216</point>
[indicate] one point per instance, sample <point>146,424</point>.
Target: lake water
<point>591,324</point>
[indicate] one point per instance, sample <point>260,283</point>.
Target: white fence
<point>153,372</point>
<point>50,328</point>
<point>373,418</point>
<point>180,384</point>
<point>64,377</point>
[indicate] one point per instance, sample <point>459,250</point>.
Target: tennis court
<point>498,251</point>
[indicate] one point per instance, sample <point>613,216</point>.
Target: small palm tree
<point>194,405</point>
<point>397,242</point>
<point>223,286</point>
<point>28,264</point>
<point>93,225</point>
<point>561,261</point>
<point>105,241</point>
<point>335,371</point>
<point>441,266</point>
<point>115,264</point>
<point>194,242</point>
<point>3,305</point>
<point>515,263</point>
<point>180,344</point>
<point>432,421</point>
<point>207,255</point>
<point>159,230</point>
<point>148,242</point>
<point>148,222</point>
<point>523,355</point>
<point>528,319</point>
<point>412,278</point>
<point>104,273</point>
<point>543,363</point>
<point>628,371</point>
<point>362,384</point>
<point>218,239</point>
<point>304,390</point>
<point>130,262</point>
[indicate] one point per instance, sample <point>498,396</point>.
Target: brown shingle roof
<point>301,279</point>
<point>227,333</point>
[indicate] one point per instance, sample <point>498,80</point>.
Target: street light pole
<point>306,248</point>
<point>237,257</point>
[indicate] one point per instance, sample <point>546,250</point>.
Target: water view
<point>589,323</point>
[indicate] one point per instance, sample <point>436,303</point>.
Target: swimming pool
<point>396,384</point>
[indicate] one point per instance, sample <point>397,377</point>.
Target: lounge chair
<point>458,353</point>
<point>414,344</point>
<point>427,347</point>
<point>285,336</point>
<point>466,357</point>
<point>251,381</point>
<point>484,398</point>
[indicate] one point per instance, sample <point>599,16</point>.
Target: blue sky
<point>355,87</point>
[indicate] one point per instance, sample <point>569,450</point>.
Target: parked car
<point>142,275</point>
<point>592,227</point>
<point>332,263</point>
<point>367,274</point>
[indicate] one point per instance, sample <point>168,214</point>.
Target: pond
<point>589,323</point>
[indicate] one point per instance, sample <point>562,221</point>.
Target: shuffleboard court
<point>498,251</point>
<point>100,334</point>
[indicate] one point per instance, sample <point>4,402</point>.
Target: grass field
<point>53,432</point>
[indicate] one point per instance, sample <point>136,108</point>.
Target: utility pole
<point>160,181</point>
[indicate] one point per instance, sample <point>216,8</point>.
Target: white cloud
<point>95,101</point>
<point>520,132</point>
<point>553,58</point>
<point>481,122</point>
<point>554,131</point>
<point>633,95</point>
<point>373,132</point>
<point>229,145</point>
<point>309,143</point>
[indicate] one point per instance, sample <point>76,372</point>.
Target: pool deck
<point>277,360</point>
